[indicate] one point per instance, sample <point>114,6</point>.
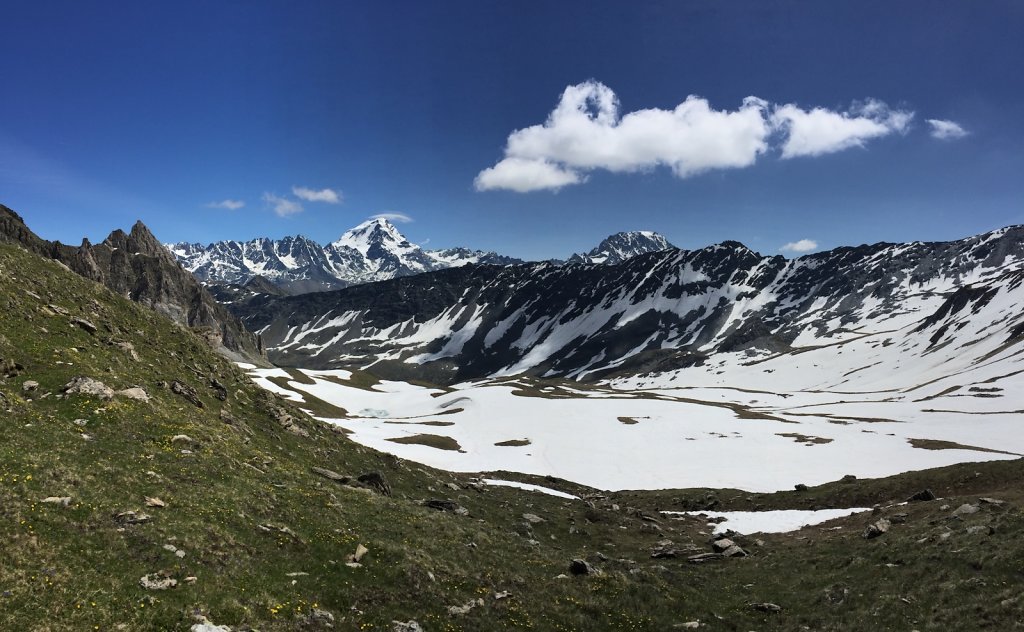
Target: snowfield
<point>791,421</point>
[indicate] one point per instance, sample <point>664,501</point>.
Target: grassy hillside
<point>227,504</point>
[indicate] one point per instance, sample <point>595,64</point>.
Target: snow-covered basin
<point>617,440</point>
<point>776,521</point>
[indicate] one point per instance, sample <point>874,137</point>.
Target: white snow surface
<point>529,487</point>
<point>790,422</point>
<point>777,521</point>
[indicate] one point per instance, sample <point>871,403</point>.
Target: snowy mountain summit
<point>372,251</point>
<point>622,246</point>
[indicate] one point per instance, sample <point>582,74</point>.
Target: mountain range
<point>374,250</point>
<point>658,311</point>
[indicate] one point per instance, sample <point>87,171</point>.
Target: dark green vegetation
<point>266,538</point>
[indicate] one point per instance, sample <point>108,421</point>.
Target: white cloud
<point>946,130</point>
<point>822,131</point>
<point>401,218</point>
<point>804,245</point>
<point>283,207</point>
<point>329,196</point>
<point>522,175</point>
<point>586,132</point>
<point>230,205</point>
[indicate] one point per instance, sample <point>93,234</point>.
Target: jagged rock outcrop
<point>137,266</point>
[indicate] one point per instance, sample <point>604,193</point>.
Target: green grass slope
<point>228,507</point>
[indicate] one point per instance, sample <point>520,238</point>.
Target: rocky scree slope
<point>654,312</point>
<point>147,484</point>
<point>137,266</point>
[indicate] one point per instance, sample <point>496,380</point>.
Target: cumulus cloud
<point>821,131</point>
<point>803,245</point>
<point>330,196</point>
<point>586,131</point>
<point>229,205</point>
<point>523,175</point>
<point>401,218</point>
<point>283,207</point>
<point>946,130</point>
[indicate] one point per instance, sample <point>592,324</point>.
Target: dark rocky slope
<point>136,266</point>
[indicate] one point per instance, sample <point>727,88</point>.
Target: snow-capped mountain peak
<point>373,233</point>
<point>622,246</point>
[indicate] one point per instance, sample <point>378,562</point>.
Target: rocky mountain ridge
<point>374,250</point>
<point>654,312</point>
<point>621,246</point>
<point>137,266</point>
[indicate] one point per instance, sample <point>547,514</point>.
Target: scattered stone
<point>734,551</point>
<point>992,501</point>
<point>128,348</point>
<point>406,626</point>
<point>181,438</point>
<point>581,567</point>
<point>849,478</point>
<point>876,529</point>
<point>532,518</point>
<point>81,423</point>
<point>800,487</point>
<point>446,505</point>
<point>29,385</point>
<point>135,393</point>
<point>287,421</point>
<point>331,475</point>
<point>88,386</point>
<point>191,579</point>
<point>836,594</point>
<point>504,594</point>
<point>898,518</point>
<point>58,309</point>
<point>319,618</point>
<point>689,625</point>
<point>283,530</point>
<point>84,324</point>
<point>965,510</point>
<point>63,501</point>
<point>465,608</point>
<point>923,495</point>
<point>664,552</point>
<point>157,581</point>
<point>702,558</point>
<point>10,368</point>
<point>980,530</point>
<point>132,517</point>
<point>220,392</point>
<point>155,502</point>
<point>766,607</point>
<point>360,553</point>
<point>187,392</point>
<point>205,625</point>
<point>722,544</point>
<point>173,549</point>
<point>375,480</point>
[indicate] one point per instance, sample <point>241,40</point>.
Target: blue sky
<point>114,112</point>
